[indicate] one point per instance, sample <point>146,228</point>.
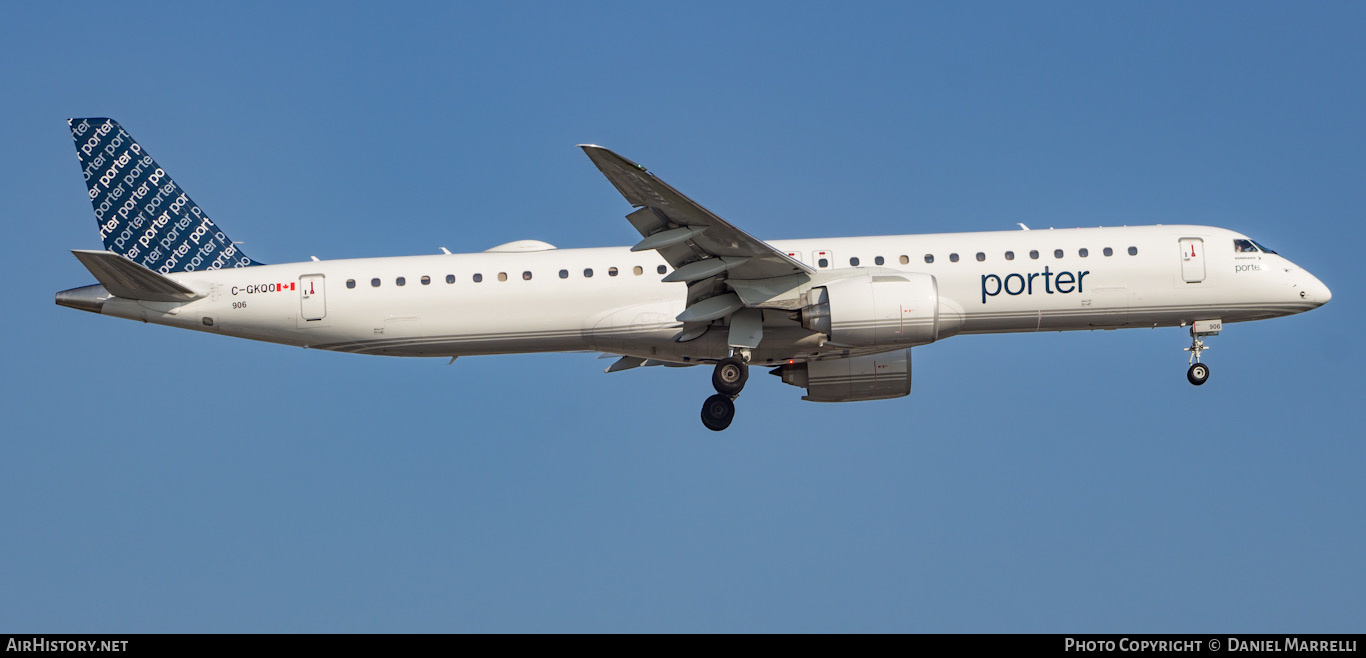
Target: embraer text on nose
<point>1023,284</point>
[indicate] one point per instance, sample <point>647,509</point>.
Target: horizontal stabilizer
<point>625,363</point>
<point>126,279</point>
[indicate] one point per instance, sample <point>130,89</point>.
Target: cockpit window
<point>1244,246</point>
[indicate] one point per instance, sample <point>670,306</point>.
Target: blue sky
<point>157,480</point>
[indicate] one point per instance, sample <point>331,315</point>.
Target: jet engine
<point>854,379</point>
<point>875,310</point>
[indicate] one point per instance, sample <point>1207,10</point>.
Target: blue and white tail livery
<point>142,213</point>
<point>837,317</point>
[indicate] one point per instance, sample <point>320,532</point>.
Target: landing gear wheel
<point>730,376</point>
<point>717,412</point>
<point>1198,374</point>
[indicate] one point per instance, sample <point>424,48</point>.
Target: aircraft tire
<point>730,376</point>
<point>1198,374</point>
<point>717,412</point>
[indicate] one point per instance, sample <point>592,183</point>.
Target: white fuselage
<point>542,301</point>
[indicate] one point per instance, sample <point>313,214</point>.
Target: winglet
<point>129,280</point>
<point>622,173</point>
<point>596,152</point>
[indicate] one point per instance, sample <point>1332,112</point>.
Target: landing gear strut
<point>1199,372</point>
<point>728,379</point>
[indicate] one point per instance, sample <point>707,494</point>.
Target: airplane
<point>837,317</point>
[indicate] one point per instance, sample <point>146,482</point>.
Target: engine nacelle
<point>872,310</point>
<point>869,377</point>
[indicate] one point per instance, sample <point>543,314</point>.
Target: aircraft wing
<point>730,273</point>
<point>674,220</point>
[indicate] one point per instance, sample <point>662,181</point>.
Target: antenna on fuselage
<point>1022,226</point>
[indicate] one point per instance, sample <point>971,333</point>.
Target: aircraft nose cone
<point>1315,291</point>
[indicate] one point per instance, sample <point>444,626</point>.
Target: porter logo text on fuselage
<point>1047,282</point>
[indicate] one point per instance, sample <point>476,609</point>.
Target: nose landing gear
<point>1198,373</point>
<point>728,379</point>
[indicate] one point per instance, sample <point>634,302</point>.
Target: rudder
<point>141,212</point>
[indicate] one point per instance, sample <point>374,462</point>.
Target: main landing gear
<point>728,379</point>
<point>1199,372</point>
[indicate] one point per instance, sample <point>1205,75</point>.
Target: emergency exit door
<point>312,303</point>
<point>1192,260</point>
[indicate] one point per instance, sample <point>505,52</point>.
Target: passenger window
<point>426,280</point>
<point>953,258</point>
<point>478,278</point>
<point>1108,251</point>
<point>1083,252</point>
<point>981,257</point>
<point>1133,251</point>
<point>878,261</point>
<point>588,273</point>
<point>1244,246</point>
<point>661,269</point>
<point>1010,255</point>
<point>502,276</point>
<point>564,274</point>
<point>400,281</point>
<point>638,270</point>
<point>450,278</point>
<point>350,283</point>
<point>823,262</point>
<point>526,276</point>
<point>1057,253</point>
<point>611,271</point>
<point>1034,254</point>
<point>374,283</point>
<point>905,260</point>
<point>929,258</point>
<point>853,262</point>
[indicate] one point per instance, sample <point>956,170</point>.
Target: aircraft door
<point>312,303</point>
<point>823,260</point>
<point>1192,260</point>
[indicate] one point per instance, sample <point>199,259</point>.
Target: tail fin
<point>142,213</point>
